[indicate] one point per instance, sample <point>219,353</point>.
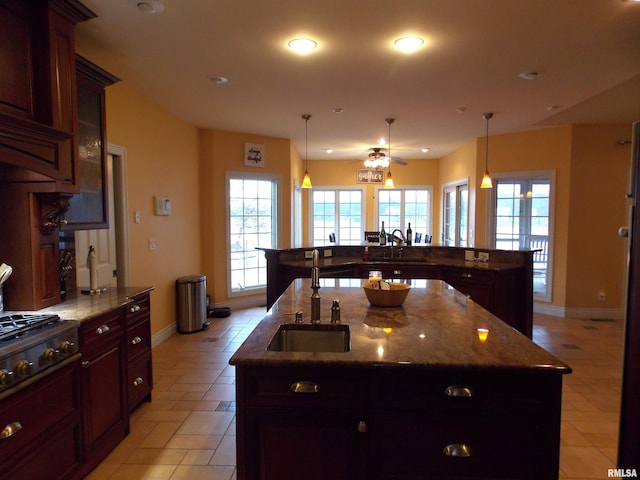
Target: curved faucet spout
<point>398,240</point>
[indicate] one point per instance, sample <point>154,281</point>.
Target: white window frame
<point>450,187</point>
<point>388,229</point>
<point>337,190</point>
<point>491,213</point>
<point>276,179</point>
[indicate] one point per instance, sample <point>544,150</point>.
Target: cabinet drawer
<point>139,381</point>
<point>37,408</point>
<point>96,333</point>
<point>138,309</point>
<point>460,446</point>
<point>300,387</point>
<point>488,392</point>
<point>469,276</point>
<point>138,340</point>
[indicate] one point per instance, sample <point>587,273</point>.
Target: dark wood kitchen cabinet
<point>384,424</point>
<point>47,442</point>
<point>138,345</point>
<point>103,385</point>
<point>88,208</point>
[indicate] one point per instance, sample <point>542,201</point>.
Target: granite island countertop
<point>435,328</point>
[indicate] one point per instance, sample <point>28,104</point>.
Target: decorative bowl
<point>393,297</point>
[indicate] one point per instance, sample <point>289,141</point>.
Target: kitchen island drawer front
<point>96,333</point>
<point>302,388</point>
<point>469,275</point>
<point>138,340</point>
<point>35,410</point>
<point>459,446</point>
<point>139,381</point>
<point>460,389</point>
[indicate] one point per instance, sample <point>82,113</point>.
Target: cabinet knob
<point>102,329</point>
<point>458,450</point>
<point>138,381</point>
<point>362,426</point>
<point>466,275</point>
<point>10,430</point>
<point>135,340</point>
<point>458,391</point>
<point>85,364</point>
<point>135,309</point>
<point>305,386</point>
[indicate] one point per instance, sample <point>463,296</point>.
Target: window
<point>399,207</point>
<point>339,213</point>
<point>252,223</point>
<point>455,214</point>
<point>521,219</point>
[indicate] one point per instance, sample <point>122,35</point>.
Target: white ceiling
<point>587,53</point>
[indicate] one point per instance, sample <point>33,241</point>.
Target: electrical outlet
<point>136,216</point>
<point>152,245</point>
<point>469,255</point>
<point>483,256</point>
<point>602,296</point>
<point>328,252</point>
<point>308,254</point>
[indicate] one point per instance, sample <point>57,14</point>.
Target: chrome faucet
<point>315,285</point>
<point>399,240</point>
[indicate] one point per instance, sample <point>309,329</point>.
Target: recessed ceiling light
<point>329,150</point>
<point>529,75</point>
<point>338,110</point>
<point>219,80</point>
<point>302,45</point>
<point>425,150</point>
<point>149,6</point>
<point>408,44</point>
<point>381,141</point>
<point>461,109</point>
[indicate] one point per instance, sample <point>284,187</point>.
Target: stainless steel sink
<point>299,337</point>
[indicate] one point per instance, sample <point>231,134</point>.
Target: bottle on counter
<point>365,256</point>
<point>409,235</point>
<point>383,235</point>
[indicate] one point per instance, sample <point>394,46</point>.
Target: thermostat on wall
<point>163,206</point>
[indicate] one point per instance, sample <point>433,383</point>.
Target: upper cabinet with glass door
<point>89,208</point>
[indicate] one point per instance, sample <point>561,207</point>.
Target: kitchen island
<point>418,395</point>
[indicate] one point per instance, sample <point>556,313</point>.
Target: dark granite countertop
<point>435,328</point>
<point>80,307</point>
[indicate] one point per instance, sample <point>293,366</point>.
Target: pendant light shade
<point>388,183</point>
<point>486,179</point>
<point>306,180</point>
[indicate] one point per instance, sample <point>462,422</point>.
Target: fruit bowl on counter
<point>386,294</point>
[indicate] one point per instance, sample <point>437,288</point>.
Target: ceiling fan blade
<point>399,161</point>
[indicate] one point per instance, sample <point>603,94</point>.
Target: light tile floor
<point>188,430</point>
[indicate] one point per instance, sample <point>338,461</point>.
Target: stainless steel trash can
<point>191,303</point>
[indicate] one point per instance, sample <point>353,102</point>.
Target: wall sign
<point>253,155</point>
<point>366,175</point>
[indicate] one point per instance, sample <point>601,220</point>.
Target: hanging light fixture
<point>486,179</point>
<point>306,180</point>
<point>388,183</point>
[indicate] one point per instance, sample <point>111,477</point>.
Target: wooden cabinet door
<point>302,443</point>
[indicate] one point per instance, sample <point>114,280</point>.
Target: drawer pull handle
<point>458,391</point>
<point>10,430</point>
<point>138,381</point>
<point>102,329</point>
<point>466,275</point>
<point>136,340</point>
<point>135,309</point>
<point>458,450</point>
<point>362,426</point>
<point>305,386</point>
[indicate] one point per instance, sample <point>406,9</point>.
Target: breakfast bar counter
<point>420,392</point>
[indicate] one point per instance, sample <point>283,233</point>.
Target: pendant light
<point>388,183</point>
<point>306,180</point>
<point>486,179</point>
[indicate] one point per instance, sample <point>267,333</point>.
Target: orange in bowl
<point>393,297</point>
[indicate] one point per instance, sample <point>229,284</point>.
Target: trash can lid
<point>192,279</point>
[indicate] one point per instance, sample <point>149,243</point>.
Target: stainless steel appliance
<point>30,345</point>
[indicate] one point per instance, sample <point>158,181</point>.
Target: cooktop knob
<point>6,377</point>
<point>23,368</point>
<point>51,355</point>
<point>67,347</point>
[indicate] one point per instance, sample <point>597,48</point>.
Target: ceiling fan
<point>379,159</point>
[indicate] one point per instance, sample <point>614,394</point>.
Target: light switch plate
<point>483,256</point>
<point>328,252</point>
<point>308,254</point>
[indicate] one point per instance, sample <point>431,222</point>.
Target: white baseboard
<point>163,335</point>
<point>594,313</point>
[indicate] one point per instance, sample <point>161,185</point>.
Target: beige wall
<point>162,159</point>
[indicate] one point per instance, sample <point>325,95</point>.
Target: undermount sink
<point>300,337</point>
